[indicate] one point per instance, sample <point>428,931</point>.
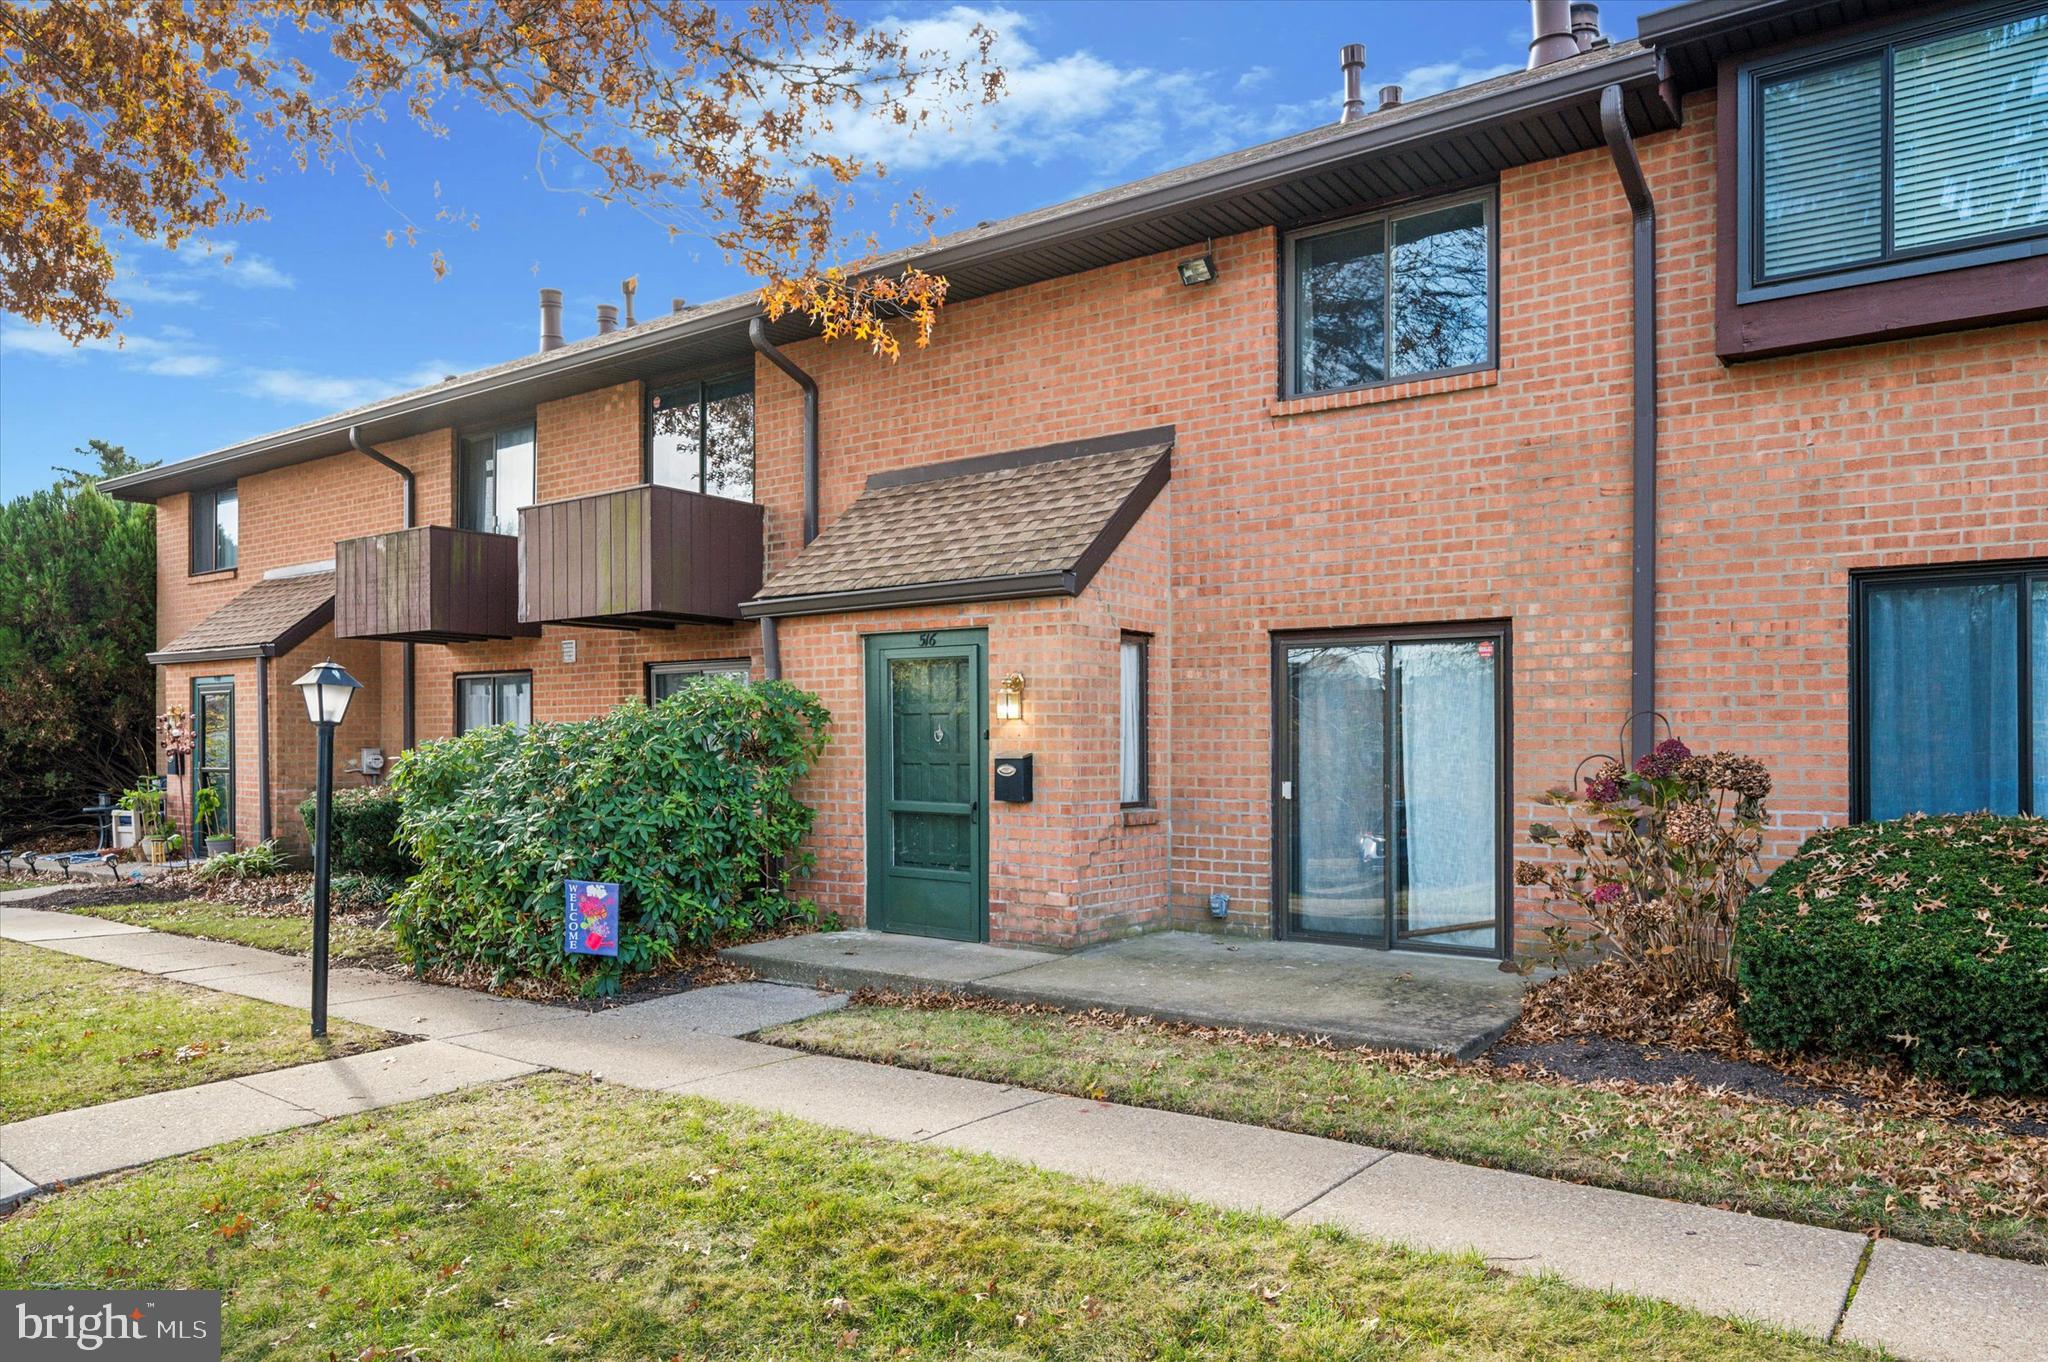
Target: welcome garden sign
<point>590,924</point>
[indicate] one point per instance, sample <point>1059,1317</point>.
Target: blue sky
<point>314,312</point>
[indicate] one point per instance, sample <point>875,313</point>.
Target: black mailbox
<point>1013,779</point>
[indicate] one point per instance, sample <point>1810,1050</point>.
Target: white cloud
<point>173,352</point>
<point>170,352</point>
<point>1436,77</point>
<point>1073,106</point>
<point>1080,107</point>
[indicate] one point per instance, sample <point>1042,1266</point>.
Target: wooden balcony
<point>643,557</point>
<point>432,584</point>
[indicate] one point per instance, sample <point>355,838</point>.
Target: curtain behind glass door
<point>1337,872</point>
<point>1447,793</point>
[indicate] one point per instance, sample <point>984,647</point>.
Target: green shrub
<point>250,863</point>
<point>689,806</point>
<point>1925,938</point>
<point>364,833</point>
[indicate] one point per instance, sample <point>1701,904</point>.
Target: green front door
<point>927,751</point>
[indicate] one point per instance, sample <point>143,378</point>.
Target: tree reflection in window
<point>1360,318</point>
<point>701,437</point>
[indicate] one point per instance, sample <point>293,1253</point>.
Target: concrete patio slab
<point>623,1050</point>
<point>864,959</point>
<point>384,1078</point>
<point>163,952</point>
<point>14,1188</point>
<point>1938,1305</point>
<point>734,1009</point>
<point>1354,997</point>
<point>1722,1262</point>
<point>1241,1167</point>
<point>91,1140</point>
<point>874,1099</point>
<point>434,1012</point>
<point>42,927</point>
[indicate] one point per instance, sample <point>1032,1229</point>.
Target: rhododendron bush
<point>1652,861</point>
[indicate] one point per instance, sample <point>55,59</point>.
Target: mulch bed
<point>1601,1022</point>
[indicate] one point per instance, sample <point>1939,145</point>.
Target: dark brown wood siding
<point>642,555</point>
<point>432,584</point>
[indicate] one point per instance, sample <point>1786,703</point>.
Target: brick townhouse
<point>1256,539</point>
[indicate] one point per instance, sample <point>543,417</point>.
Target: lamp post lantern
<point>328,688</point>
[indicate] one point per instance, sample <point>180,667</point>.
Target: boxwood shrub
<point>364,837</point>
<point>689,805</point>
<point>1925,938</point>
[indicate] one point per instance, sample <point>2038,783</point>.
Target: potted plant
<point>206,813</point>
<point>147,804</point>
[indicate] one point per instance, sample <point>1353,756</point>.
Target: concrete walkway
<point>1931,1305</point>
<point>1431,1003</point>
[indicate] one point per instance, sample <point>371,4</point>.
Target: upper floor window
<point>1397,295</point>
<point>497,479</point>
<point>216,528</point>
<point>700,437</point>
<point>1921,150</point>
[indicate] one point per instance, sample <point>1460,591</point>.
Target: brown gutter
<point>263,747</point>
<point>1642,680</point>
<point>355,440</point>
<point>757,336</point>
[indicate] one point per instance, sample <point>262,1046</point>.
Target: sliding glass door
<point>1389,800</point>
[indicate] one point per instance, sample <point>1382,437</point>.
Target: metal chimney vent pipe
<point>1550,23</point>
<point>550,319</point>
<point>1353,60</point>
<point>1390,95</point>
<point>1585,25</point>
<point>629,288</point>
<point>607,318</point>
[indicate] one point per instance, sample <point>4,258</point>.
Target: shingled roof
<point>1033,522</point>
<point>274,616</point>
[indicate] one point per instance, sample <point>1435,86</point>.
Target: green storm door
<point>927,849</point>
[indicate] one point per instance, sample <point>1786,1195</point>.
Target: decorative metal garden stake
<point>328,688</point>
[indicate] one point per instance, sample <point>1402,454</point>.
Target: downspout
<point>757,335</point>
<point>1642,681</point>
<point>263,746</point>
<point>357,443</point>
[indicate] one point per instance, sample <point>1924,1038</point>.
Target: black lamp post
<point>328,688</point>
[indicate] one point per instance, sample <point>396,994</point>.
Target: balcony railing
<point>432,584</point>
<point>638,558</point>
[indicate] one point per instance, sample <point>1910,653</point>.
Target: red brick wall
<point>1500,496</point>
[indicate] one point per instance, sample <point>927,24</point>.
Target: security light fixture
<point>328,688</point>
<point>1010,697</point>
<point>1200,269</point>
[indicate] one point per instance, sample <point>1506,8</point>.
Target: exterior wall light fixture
<point>1200,269</point>
<point>1010,697</point>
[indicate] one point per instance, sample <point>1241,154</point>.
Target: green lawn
<point>1923,1180</point>
<point>560,1218</point>
<point>350,937</point>
<point>75,1033</point>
